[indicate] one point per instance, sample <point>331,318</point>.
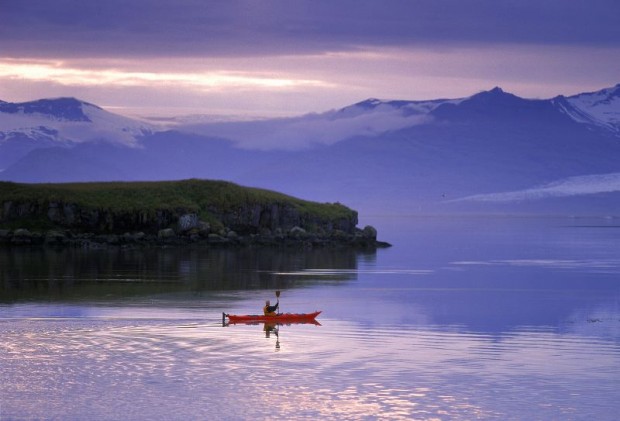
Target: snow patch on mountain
<point>571,186</point>
<point>600,107</point>
<point>378,105</point>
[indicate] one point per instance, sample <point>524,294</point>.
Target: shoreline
<point>296,237</point>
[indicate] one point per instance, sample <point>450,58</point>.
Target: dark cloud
<point>77,28</point>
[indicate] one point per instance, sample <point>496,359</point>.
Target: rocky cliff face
<point>256,217</point>
<point>59,223</point>
<point>83,219</point>
<point>247,219</point>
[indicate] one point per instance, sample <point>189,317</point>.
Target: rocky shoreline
<point>295,237</point>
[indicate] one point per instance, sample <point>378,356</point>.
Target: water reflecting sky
<point>461,319</point>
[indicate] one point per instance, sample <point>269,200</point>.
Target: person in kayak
<point>270,310</point>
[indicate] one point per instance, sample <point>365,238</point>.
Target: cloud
<point>312,129</point>
<point>571,186</point>
<point>140,28</point>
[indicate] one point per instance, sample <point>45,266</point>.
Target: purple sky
<point>290,57</point>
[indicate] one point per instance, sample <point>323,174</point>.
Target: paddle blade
<point>278,293</point>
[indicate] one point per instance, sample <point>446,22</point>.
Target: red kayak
<point>279,318</point>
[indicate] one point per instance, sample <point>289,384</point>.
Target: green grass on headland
<point>195,196</point>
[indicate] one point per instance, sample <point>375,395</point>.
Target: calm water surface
<point>469,318</point>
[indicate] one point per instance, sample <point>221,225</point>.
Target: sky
<point>289,57</point>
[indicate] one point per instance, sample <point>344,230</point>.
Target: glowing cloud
<point>58,72</point>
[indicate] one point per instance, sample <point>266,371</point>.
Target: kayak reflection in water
<point>272,328</point>
<point>270,310</point>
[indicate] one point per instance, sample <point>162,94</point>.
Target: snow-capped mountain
<point>68,120</point>
<point>601,108</point>
<point>62,122</point>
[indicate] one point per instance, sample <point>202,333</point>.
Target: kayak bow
<point>278,318</point>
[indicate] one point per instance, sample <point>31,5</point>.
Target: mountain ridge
<point>601,108</point>
<point>65,108</point>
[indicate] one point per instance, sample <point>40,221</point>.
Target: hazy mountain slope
<point>409,157</point>
<point>18,145</point>
<point>162,156</point>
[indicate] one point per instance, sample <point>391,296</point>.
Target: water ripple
<point>609,266</point>
<point>334,371</point>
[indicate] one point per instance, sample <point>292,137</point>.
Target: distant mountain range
<point>491,152</point>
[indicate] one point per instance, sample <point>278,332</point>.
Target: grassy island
<point>186,209</point>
